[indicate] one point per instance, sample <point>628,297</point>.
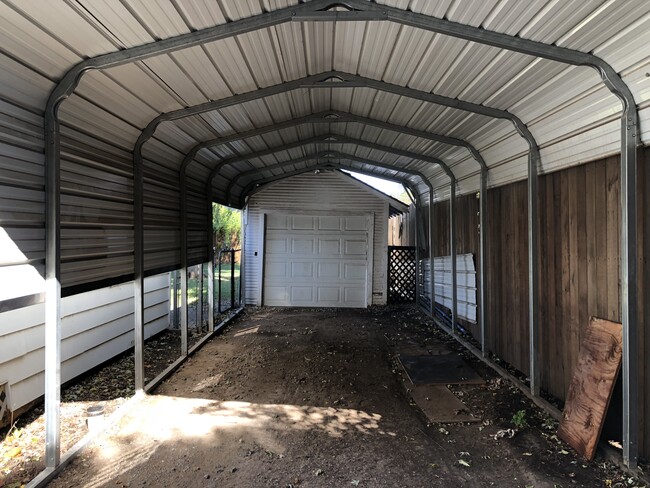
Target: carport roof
<point>571,114</point>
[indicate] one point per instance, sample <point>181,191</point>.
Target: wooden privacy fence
<point>401,274</point>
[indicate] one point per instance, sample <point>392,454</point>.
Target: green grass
<point>194,283</point>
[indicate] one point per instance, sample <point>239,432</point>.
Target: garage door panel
<point>304,294</point>
<point>277,222</point>
<point>301,222</point>
<point>316,261</point>
<point>276,246</point>
<point>278,269</point>
<point>329,223</point>
<point>354,271</point>
<point>356,223</point>
<point>353,295</point>
<point>329,294</point>
<point>302,246</point>
<point>328,247</point>
<point>302,270</point>
<point>329,270</point>
<point>275,295</point>
<point>356,247</point>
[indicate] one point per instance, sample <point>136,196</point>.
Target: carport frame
<point>320,10</point>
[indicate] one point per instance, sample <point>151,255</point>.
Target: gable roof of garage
<point>395,207</point>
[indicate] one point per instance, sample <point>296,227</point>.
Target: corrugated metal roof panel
<point>572,116</point>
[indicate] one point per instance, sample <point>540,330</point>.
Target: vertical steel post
<point>232,278</point>
<point>52,290</point>
<point>219,284</point>
<point>242,259</point>
<point>174,320</point>
<point>629,286</point>
<point>138,272</point>
<point>432,285</point>
<point>199,306</point>
<point>210,261</point>
<point>183,217</point>
<point>417,256</point>
<point>483,256</point>
<point>452,248</point>
<point>533,274</point>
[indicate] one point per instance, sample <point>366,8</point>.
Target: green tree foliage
<point>226,225</point>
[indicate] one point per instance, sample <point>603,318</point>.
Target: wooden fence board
<point>592,385</point>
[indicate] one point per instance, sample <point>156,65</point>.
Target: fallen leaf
<point>509,433</point>
<point>16,451</point>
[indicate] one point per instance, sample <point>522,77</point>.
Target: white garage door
<point>316,261</point>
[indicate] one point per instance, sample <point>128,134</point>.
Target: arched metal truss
<point>353,10</point>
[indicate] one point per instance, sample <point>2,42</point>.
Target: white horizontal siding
<point>95,327</point>
<point>465,284</point>
<point>322,192</point>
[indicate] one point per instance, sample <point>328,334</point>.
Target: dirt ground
<point>316,398</point>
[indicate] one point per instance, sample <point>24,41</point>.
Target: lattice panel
<point>401,274</point>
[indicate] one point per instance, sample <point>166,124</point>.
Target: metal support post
<point>210,259</point>
<point>210,296</point>
<point>199,294</point>
<point>138,274</point>
<point>483,256</point>
<point>417,256</point>
<point>52,292</point>
<point>452,248</point>
<point>533,276</point>
<point>219,284</point>
<point>629,286</point>
<point>183,274</point>
<point>232,278</point>
<point>432,285</point>
<point>184,267</point>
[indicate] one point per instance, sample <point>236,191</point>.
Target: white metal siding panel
<point>465,284</point>
<point>96,326</point>
<point>323,192</point>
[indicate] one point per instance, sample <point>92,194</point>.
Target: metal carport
<point>196,93</point>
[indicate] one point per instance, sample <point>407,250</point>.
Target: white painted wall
<point>328,191</point>
<point>95,327</point>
